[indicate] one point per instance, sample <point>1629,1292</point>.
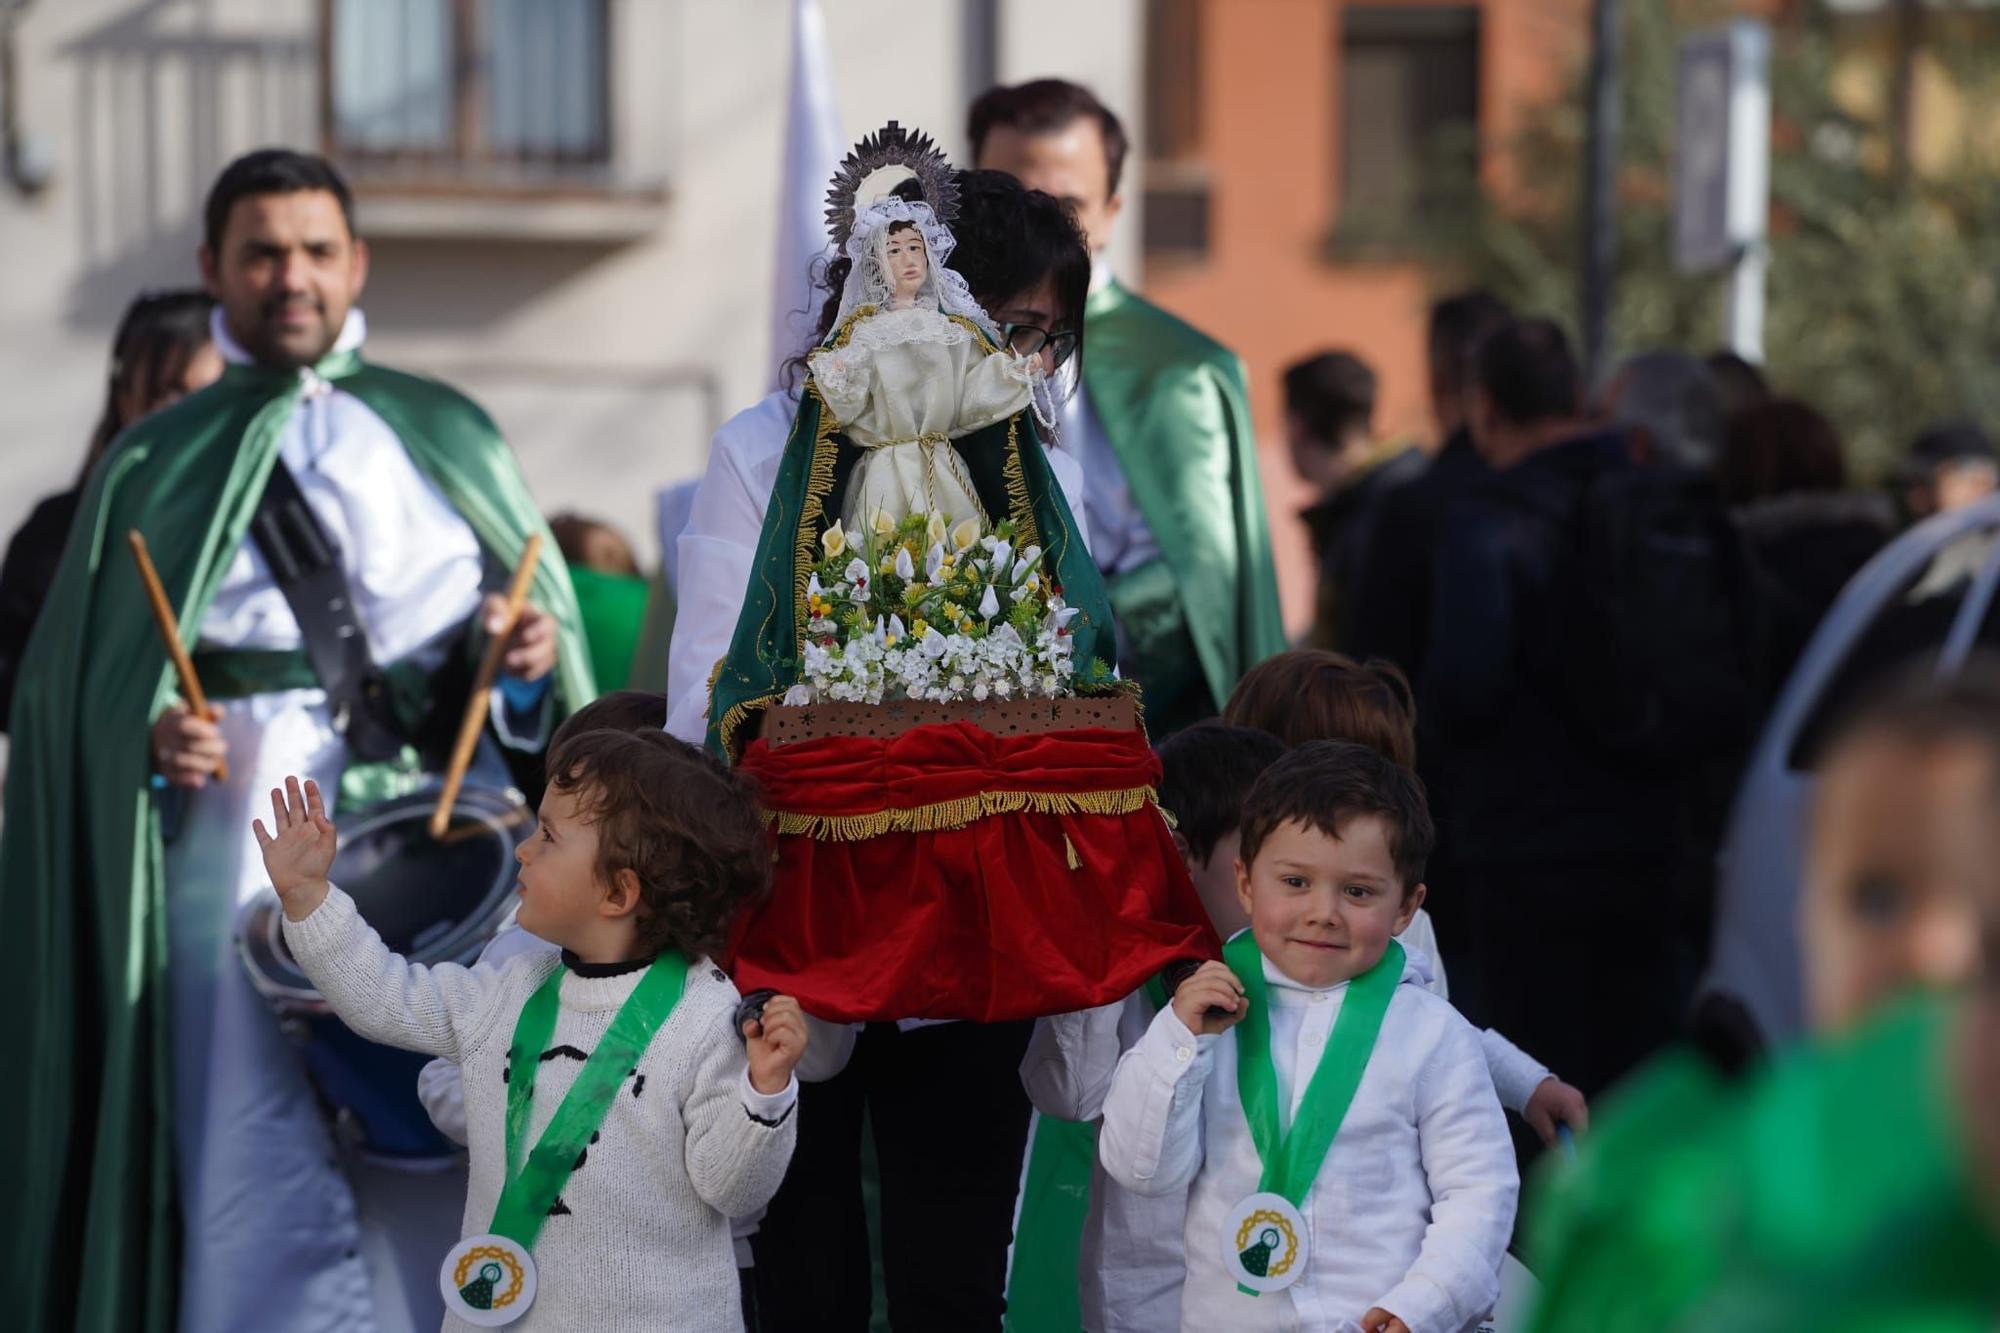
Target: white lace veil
<point>868,280</point>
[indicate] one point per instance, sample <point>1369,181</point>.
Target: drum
<point>432,900</point>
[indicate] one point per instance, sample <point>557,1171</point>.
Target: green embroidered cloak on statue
<point>1011,474</point>
<point>1173,404</point>
<point>83,957</point>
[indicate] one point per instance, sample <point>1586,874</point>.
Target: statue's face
<point>906,261</point>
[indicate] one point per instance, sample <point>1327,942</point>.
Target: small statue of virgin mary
<point>913,364</point>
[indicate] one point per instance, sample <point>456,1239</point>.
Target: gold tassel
<point>1075,861</point>
<point>957,814</point>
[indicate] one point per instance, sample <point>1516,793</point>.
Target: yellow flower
<point>965,534</point>
<point>834,540</point>
<point>918,626</point>
<point>934,531</point>
<point>887,565</point>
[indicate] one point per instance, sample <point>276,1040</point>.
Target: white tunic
<point>907,383</point>
<point>1410,1211</point>
<point>274,1240</point>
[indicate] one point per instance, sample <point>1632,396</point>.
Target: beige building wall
<point>608,336</point>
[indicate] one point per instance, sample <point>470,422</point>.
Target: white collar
<point>353,332</point>
<point>1100,274</point>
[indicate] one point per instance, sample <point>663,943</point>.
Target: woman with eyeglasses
<point>160,354</point>
<point>1025,263</point>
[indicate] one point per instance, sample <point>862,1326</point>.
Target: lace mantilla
<point>868,282</point>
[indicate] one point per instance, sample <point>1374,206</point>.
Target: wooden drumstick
<point>482,685</point>
<point>170,634</point>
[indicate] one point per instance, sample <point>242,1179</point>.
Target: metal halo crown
<point>890,146</point>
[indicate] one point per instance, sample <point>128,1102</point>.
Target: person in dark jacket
<point>1783,474</point>
<point>1330,430</point>
<point>1392,606</point>
<point>1563,852</point>
<point>160,354</point>
<point>1389,613</point>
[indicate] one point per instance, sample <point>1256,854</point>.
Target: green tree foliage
<point>1884,295</point>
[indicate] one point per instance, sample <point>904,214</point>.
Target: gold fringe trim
<point>733,720</point>
<point>1026,531</point>
<point>958,814</point>
<point>819,482</point>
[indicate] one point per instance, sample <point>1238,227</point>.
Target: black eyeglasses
<point>1027,340</point>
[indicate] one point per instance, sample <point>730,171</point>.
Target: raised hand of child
<point>1211,1001</point>
<point>298,856</point>
<point>775,1040</point>
<point>1379,1320</point>
<point>1554,1103</point>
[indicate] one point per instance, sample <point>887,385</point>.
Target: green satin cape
<point>83,955</point>
<point>1011,474</point>
<point>1173,404</point>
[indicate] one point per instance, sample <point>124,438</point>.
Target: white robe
<point>276,1238</point>
<point>905,384</point>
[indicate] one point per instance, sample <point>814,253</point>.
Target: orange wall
<point>1271,92</point>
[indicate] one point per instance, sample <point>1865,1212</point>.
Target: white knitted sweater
<point>639,1238</point>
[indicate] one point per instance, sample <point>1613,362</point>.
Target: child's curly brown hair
<point>680,821</point>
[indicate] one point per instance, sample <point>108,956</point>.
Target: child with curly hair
<point>617,1116</point>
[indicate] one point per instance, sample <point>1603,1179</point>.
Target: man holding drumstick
<point>331,534</point>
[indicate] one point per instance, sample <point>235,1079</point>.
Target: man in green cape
<point>1175,509</point>
<point>1162,427</point>
<point>153,1085</point>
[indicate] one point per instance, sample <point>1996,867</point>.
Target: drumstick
<point>170,634</point>
<point>482,684</point>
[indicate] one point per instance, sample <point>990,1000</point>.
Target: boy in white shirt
<point>1333,1121</point>
<point>616,1120</point>
<point>1130,1262</point>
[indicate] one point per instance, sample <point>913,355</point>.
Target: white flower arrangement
<point>914,610</point>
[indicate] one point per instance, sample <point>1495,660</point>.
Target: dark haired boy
<point>1346,1160</point>
<point>617,1121</point>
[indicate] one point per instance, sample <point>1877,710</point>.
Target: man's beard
<point>270,345</point>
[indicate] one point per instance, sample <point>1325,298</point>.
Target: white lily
<point>884,525</point>
<point>934,562</point>
<point>812,586</point>
<point>834,540</point>
<point>906,568</point>
<point>896,630</point>
<point>936,530</point>
<point>989,605</point>
<point>934,643</point>
<point>965,534</point>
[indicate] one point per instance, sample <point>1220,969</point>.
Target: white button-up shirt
<point>1412,1208</point>
<point>1131,1263</point>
